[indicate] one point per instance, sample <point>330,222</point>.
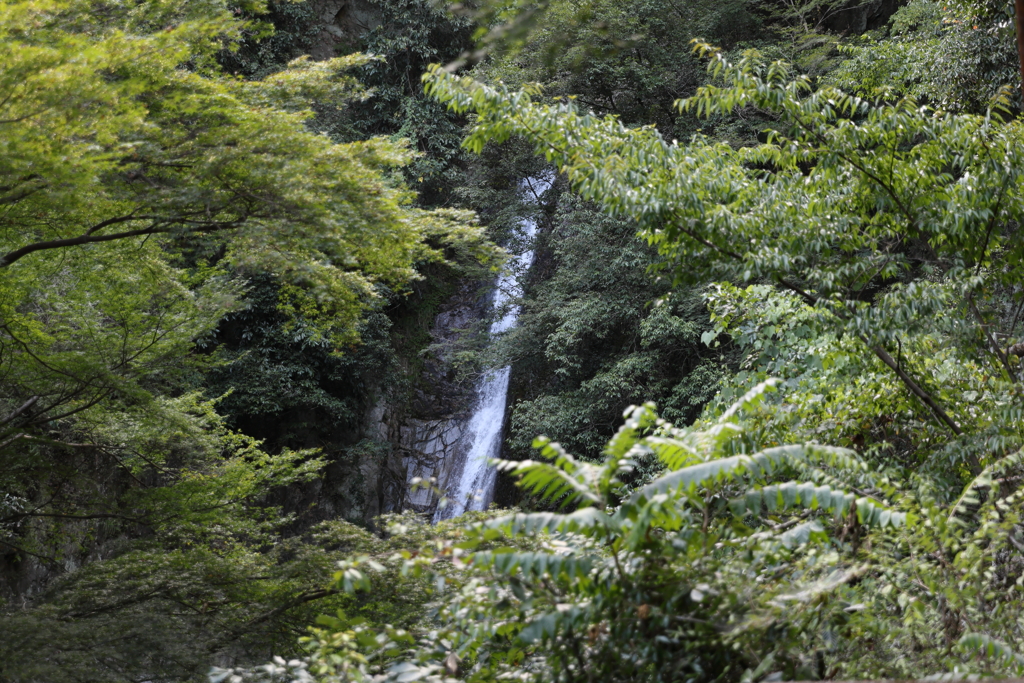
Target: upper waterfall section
<point>470,485</point>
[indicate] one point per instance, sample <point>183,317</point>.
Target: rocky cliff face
<point>857,17</point>
<point>425,436</point>
<point>341,22</point>
<point>405,436</point>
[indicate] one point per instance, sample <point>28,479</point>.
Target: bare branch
<point>916,389</point>
<point>88,238</point>
<point>24,406</point>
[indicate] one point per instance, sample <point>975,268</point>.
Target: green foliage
<point>128,145</point>
<point>858,208</point>
<point>865,251</point>
<point>993,649</point>
<point>942,597</point>
<point>409,35</point>
<point>404,36</point>
<point>118,164</point>
<point>880,241</point>
<point>588,328</point>
<point>121,162</point>
<point>935,53</point>
<point>835,388</point>
<point>192,581</point>
<point>946,591</point>
<point>904,64</point>
<point>719,569</point>
<point>660,582</point>
<point>282,380</point>
<point>628,59</point>
<point>141,189</point>
<point>291,28</point>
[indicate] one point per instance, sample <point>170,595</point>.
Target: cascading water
<point>472,483</point>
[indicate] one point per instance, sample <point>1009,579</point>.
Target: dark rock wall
<point>343,21</point>
<point>429,439</point>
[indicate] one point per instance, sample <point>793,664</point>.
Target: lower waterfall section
<point>470,485</point>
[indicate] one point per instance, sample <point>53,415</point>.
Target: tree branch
<point>300,599</point>
<point>916,389</point>
<point>24,406</point>
<point>993,346</point>
<point>89,238</point>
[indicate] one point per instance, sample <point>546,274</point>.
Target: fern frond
<point>862,479</point>
<point>674,453</point>
<point>685,446</point>
<point>705,473</point>
<point>534,564</point>
<point>565,480</point>
<point>712,441</point>
<point>757,465</point>
<point>581,521</point>
<point>551,623</point>
<point>638,419</point>
<point>785,496</point>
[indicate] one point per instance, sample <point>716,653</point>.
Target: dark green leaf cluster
<point>590,340</point>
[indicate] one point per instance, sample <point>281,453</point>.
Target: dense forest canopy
<point>765,418</point>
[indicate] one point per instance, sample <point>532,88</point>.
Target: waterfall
<point>471,486</point>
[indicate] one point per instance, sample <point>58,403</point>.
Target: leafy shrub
<point>706,572</point>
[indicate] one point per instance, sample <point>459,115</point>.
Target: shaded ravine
<point>471,484</point>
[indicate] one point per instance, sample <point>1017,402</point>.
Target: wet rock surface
<point>429,448</point>
<point>430,440</point>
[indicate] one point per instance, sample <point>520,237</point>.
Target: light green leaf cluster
<point>107,138</point>
<point>139,188</point>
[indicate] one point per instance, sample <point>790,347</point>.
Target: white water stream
<point>472,486</point>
